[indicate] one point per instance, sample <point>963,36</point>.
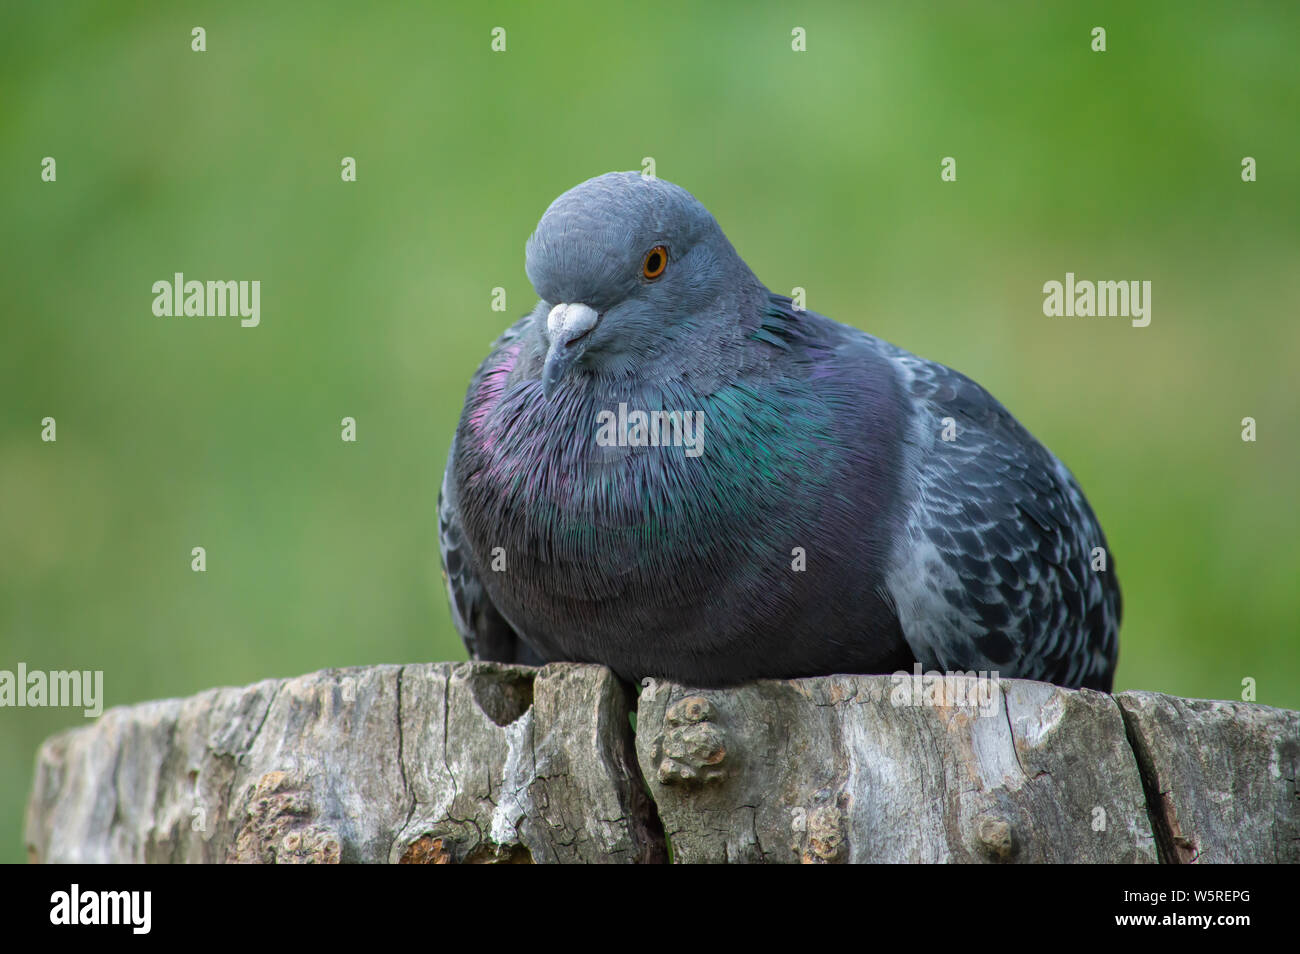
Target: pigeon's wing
<point>994,569</point>
<point>485,632</point>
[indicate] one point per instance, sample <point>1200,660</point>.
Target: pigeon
<point>669,470</point>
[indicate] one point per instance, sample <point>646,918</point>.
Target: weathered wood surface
<point>831,770</point>
<point>420,763</point>
<point>1220,777</point>
<point>476,762</point>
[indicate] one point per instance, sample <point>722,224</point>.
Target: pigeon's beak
<point>567,327</point>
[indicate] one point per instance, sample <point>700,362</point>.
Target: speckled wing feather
<point>993,569</point>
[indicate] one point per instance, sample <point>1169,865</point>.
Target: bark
<point>845,769</point>
<point>479,762</point>
<point>1220,777</point>
<point>419,764</point>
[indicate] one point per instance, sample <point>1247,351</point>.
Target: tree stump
<point>478,762</point>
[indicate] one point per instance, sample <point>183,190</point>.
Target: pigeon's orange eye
<point>656,260</point>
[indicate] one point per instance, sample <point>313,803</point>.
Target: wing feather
<point>993,569</point>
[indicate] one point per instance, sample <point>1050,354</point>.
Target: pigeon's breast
<point>607,529</point>
<point>594,498</point>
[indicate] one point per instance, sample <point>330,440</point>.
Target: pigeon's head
<point>629,268</point>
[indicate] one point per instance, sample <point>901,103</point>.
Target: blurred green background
<point>823,168</point>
